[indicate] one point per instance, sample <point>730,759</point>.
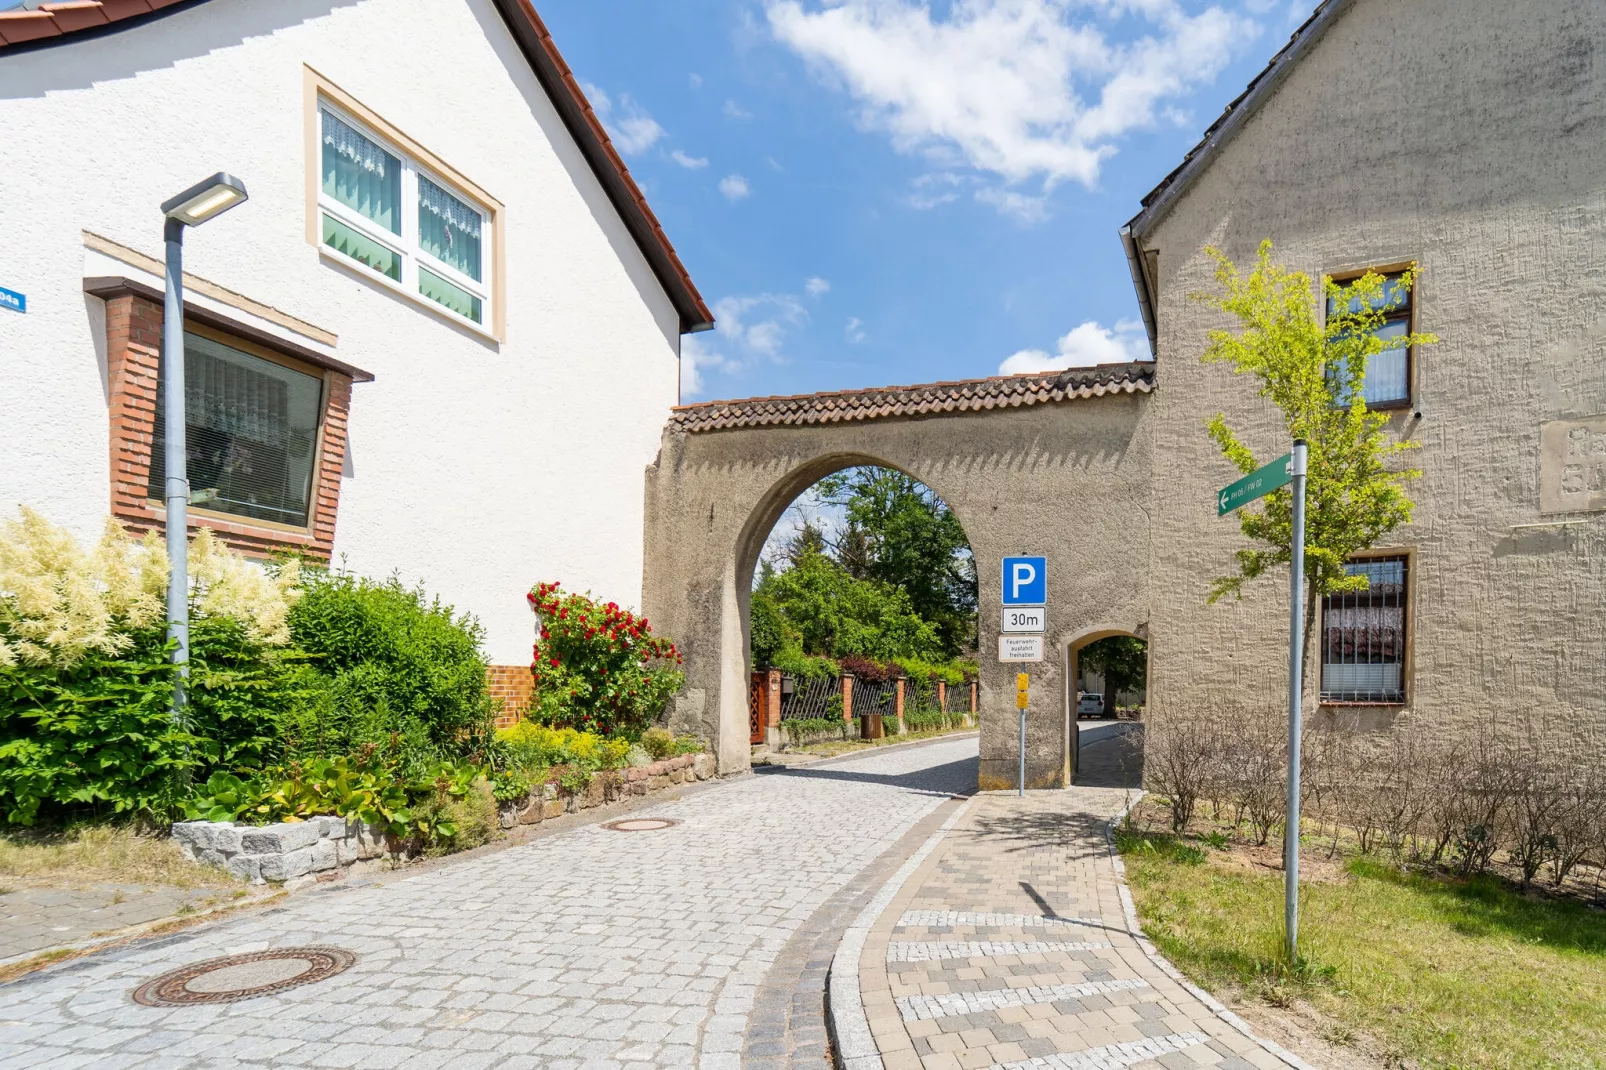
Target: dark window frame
<point>319,433</point>
<point>1407,315</point>
<point>1403,599</point>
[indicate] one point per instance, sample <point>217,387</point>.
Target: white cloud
<point>814,286</point>
<point>736,111</point>
<point>1023,206</point>
<point>935,189</point>
<point>695,79</point>
<point>1083,347</point>
<point>749,328</point>
<point>1016,90</point>
<point>854,331</point>
<point>734,187</point>
<point>690,163</point>
<point>633,131</point>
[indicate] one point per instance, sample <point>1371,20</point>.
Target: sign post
<point>1296,665</point>
<point>1289,468</point>
<point>1024,592</point>
<point>1023,684</point>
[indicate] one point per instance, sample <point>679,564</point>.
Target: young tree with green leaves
<point>1313,370</point>
<point>898,532</point>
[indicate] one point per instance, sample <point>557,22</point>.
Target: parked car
<point>1090,704</point>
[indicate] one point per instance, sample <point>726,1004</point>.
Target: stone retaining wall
<point>282,852</point>
<point>315,849</point>
<point>544,802</point>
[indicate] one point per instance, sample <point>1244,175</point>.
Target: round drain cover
<point>237,977</point>
<point>641,824</point>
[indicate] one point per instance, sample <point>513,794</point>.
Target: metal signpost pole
<point>1021,700</point>
<point>1296,664</point>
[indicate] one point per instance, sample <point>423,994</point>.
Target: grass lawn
<point>1452,973</point>
<point>95,854</point>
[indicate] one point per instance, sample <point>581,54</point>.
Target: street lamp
<point>196,205</point>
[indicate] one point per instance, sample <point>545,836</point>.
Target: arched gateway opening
<point>862,614</point>
<point>1055,464</point>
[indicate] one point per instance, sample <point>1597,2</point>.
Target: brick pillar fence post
<point>974,686</point>
<point>847,697</point>
<point>897,702</point>
<point>942,699</point>
<point>772,708</point>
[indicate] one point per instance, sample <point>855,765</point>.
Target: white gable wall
<point>475,468</point>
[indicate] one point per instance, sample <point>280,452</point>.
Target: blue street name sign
<point>13,300</point>
<point>1025,581</point>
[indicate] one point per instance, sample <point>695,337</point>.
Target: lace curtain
<point>448,229</point>
<point>360,174</point>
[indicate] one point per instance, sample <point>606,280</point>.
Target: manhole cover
<point>641,824</point>
<point>237,977</point>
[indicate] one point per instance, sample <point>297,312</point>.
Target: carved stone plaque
<point>1572,465</point>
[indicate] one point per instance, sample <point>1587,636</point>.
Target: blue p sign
<point>1025,581</point>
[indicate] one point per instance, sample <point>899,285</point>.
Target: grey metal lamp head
<point>205,200</point>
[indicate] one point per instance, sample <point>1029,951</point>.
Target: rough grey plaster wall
<point>1470,136</point>
<point>1070,480</point>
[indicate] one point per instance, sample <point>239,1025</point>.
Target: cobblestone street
<point>591,948</point>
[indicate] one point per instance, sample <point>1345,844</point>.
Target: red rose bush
<point>599,668</point>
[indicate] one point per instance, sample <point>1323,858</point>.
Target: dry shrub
<point>1179,752</point>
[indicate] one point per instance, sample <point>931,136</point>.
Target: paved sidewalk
<point>1009,947</point>
<point>591,948</point>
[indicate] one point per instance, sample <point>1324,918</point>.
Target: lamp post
<point>196,205</point>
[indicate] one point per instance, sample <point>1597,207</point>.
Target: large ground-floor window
<point>1364,635</point>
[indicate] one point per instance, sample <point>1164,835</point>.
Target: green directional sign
<point>1257,484</point>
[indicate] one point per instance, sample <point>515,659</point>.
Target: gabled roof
<point>930,399</point>
<point>72,20</point>
<point>1164,196</point>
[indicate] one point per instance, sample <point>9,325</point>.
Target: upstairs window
<point>251,433</point>
<point>381,210</point>
<point>1388,374</point>
<point>1364,635</point>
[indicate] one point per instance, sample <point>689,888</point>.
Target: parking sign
<point>1025,581</point>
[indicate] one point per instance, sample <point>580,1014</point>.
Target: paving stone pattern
<point>33,919</point>
<point>590,948</point>
<point>1022,958</point>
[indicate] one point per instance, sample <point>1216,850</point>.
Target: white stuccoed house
<point>440,339</point>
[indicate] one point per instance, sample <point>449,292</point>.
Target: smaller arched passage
<point>1113,665</point>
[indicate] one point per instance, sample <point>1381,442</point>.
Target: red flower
<point>554,663</point>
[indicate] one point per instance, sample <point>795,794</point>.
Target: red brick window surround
<point>133,364</point>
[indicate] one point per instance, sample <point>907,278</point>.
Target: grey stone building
<point>1464,138</point>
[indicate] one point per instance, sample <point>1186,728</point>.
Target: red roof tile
<point>966,395</point>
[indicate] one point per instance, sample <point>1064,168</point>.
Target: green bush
<point>100,737</point>
<point>395,665</point>
<point>803,730</point>
<point>933,721</point>
<point>660,742</point>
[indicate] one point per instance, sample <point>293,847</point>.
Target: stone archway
<point>1056,463</point>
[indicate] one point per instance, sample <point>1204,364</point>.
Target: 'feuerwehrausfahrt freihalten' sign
<point>1020,648</point>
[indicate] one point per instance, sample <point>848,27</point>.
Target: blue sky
<point>888,191</point>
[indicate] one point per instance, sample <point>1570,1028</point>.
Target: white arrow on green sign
<point>1257,484</point>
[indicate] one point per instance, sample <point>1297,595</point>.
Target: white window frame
<point>405,245</point>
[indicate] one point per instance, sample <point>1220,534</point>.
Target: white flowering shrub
<point>60,603</point>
